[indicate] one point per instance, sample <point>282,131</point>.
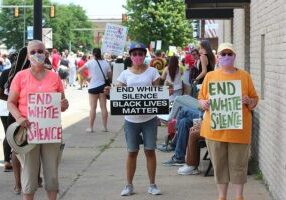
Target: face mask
<point>37,59</point>
<point>226,61</point>
<point>137,60</point>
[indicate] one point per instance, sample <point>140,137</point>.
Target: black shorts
<point>97,90</point>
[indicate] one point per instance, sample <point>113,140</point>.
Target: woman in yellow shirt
<point>228,96</point>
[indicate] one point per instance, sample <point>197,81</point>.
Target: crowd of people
<point>187,75</point>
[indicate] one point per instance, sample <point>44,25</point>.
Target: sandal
<point>17,190</point>
<point>8,167</point>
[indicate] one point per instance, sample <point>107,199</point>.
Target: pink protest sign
<point>44,113</point>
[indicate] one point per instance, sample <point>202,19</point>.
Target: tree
<point>151,20</point>
<point>67,19</point>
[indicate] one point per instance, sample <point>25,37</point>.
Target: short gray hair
<point>35,42</point>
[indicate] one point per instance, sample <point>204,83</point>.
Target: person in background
<point>207,61</point>
<point>84,75</point>
<point>140,128</point>
<point>99,70</point>
<point>32,80</point>
<point>56,58</point>
<point>72,69</point>
<point>6,62</point>
<point>172,77</point>
<point>229,148</point>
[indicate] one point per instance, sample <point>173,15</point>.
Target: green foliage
<point>258,175</point>
<point>67,18</point>
<point>151,20</point>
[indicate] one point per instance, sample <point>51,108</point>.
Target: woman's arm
<point>13,109</point>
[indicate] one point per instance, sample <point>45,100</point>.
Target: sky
<point>98,8</point>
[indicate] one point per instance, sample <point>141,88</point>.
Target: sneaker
<point>174,162</point>
<point>153,189</point>
<point>165,148</point>
<point>89,130</point>
<point>127,191</point>
<point>188,170</point>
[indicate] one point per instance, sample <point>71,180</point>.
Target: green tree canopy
<point>151,20</point>
<point>67,19</point>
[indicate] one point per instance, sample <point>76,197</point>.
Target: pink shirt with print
<point>24,83</point>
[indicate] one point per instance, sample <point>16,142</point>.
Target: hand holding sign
<point>64,105</point>
<point>204,104</point>
<point>22,121</point>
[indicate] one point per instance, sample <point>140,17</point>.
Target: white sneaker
<point>153,189</point>
<point>188,170</point>
<point>127,191</point>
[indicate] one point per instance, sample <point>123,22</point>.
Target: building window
<point>262,83</point>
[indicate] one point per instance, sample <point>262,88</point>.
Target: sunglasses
<point>141,54</point>
<point>228,54</point>
<point>40,51</point>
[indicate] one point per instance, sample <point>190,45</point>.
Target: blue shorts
<point>141,133</point>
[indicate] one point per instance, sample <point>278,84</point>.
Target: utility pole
<point>24,31</point>
<point>38,4</point>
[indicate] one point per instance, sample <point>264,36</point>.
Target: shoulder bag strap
<point>101,70</point>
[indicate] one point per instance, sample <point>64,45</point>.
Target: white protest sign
<point>226,105</point>
<point>147,100</point>
<point>114,39</point>
<point>158,44</point>
<point>44,113</point>
<point>117,69</point>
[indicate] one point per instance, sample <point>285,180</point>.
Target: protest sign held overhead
<point>114,39</point>
<point>147,100</point>
<point>226,105</point>
<point>44,114</point>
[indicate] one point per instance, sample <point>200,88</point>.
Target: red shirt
<point>55,61</point>
<point>80,65</point>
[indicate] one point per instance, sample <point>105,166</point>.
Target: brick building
<point>258,32</point>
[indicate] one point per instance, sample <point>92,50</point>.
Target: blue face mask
<point>37,59</point>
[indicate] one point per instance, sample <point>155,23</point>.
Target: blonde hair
<point>35,42</point>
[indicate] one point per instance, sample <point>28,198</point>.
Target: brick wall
<point>269,137</point>
<point>266,18</point>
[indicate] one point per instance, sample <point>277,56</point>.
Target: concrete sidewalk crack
<point>103,148</point>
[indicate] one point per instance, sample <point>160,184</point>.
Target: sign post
<point>226,105</point>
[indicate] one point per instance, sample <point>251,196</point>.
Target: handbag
<point>106,81</point>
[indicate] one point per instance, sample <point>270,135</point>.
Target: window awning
<point>209,13</point>
<point>220,4</point>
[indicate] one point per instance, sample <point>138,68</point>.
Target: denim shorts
<point>141,133</point>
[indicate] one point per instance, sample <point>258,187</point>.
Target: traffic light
<point>16,13</point>
<point>52,11</point>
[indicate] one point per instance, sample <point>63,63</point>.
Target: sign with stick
<point>44,114</point>
<point>226,105</point>
<point>147,100</point>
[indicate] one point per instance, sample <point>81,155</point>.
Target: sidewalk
<point>93,165</point>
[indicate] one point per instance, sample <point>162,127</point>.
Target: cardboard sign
<point>148,100</point>
<point>114,39</point>
<point>226,105</point>
<point>44,113</point>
